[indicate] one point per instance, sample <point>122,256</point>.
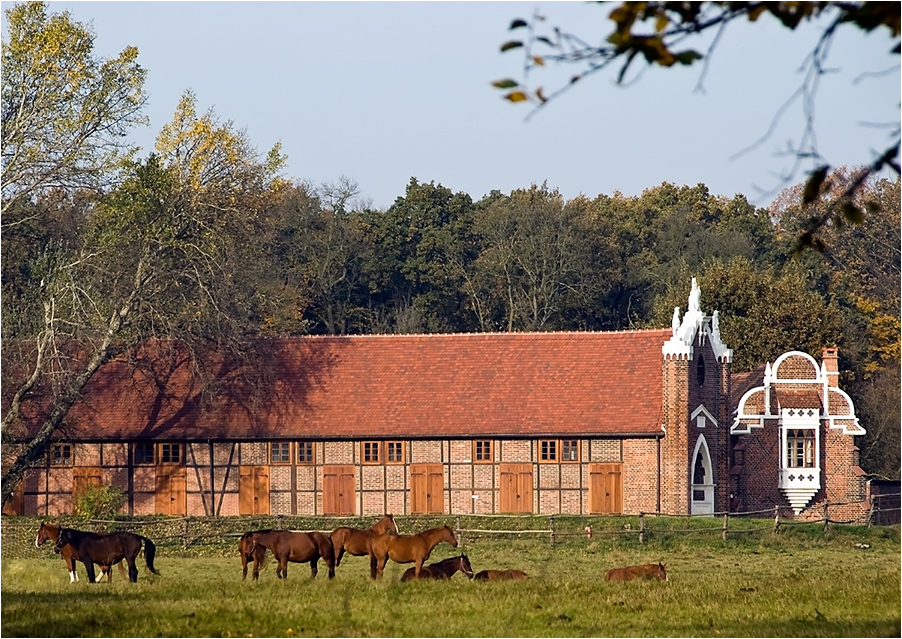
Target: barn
<point>577,423</point>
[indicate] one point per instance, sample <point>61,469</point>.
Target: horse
<point>441,570</point>
<point>357,542</point>
<point>52,532</point>
<point>499,575</point>
<point>404,549</point>
<point>645,571</point>
<point>298,547</point>
<point>107,550</point>
<point>245,545</point>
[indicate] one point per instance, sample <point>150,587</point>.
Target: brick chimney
<point>831,365</point>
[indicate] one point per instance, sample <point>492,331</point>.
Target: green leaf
<point>688,57</point>
<point>516,24</point>
<point>513,44</point>
<point>813,185</point>
<point>506,83</point>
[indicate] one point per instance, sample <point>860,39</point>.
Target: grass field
<point>771,586</point>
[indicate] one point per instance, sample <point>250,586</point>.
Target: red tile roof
<point>395,386</point>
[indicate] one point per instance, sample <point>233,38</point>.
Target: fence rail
<point>186,534</point>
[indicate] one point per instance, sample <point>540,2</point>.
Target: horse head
<point>662,572</point>
<point>394,526</point>
<point>45,532</point>
<point>465,567</point>
<point>448,535</point>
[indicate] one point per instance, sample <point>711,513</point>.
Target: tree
<point>664,43</point>
<point>171,253</point>
<point>65,111</point>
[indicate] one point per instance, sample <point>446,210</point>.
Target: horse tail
<point>150,551</point>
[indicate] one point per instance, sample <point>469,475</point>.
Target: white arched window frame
<point>702,493</point>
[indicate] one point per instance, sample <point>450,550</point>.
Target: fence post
<point>279,521</point>
<point>460,535</point>
<point>185,537</point>
<point>776,518</point>
<point>641,528</point>
<point>871,511</point>
<point>551,526</point>
<point>723,534</point>
<point>826,516</point>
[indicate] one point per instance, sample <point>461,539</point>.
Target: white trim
<point>707,416</point>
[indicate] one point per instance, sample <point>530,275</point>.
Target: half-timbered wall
<point>432,476</point>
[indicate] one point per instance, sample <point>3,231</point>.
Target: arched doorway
<point>702,480</point>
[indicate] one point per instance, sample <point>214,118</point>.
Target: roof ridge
<point>470,334</point>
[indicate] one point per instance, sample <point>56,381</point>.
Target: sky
<point>382,92</point>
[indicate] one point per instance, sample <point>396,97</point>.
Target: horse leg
<point>313,567</point>
<point>121,571</point>
<point>132,570</point>
<point>89,567</point>
<point>418,568</point>
<point>341,553</point>
<point>70,564</point>
<point>283,568</point>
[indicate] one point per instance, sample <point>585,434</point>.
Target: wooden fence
<point>182,534</point>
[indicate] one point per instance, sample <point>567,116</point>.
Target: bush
<point>99,502</point>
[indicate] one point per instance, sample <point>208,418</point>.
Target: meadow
<point>799,582</point>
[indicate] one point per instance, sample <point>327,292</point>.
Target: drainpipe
<point>658,506</point>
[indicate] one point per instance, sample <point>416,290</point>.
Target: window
<point>482,450</point>
<point>171,454</point>
<point>61,455</point>
<point>305,452</point>
<point>280,453</point>
<point>570,450</point>
<point>394,452</point>
<point>700,371</point>
<point>548,450</point>
<point>370,452</point>
<point>142,453</point>
<point>800,448</point>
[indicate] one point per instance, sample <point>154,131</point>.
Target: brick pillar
<point>675,467</point>
<point>831,364</point>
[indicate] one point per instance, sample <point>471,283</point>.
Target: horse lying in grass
<point>645,571</point>
<point>441,570</point>
<point>106,550</point>
<point>499,575</point>
<point>357,542</point>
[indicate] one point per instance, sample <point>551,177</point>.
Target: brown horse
<point>245,545</point>
<point>298,547</point>
<point>645,571</point>
<point>106,550</point>
<point>357,542</point>
<point>404,549</point>
<point>499,575</point>
<point>52,532</point>
<point>441,570</point>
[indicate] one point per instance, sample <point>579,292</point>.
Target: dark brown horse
<point>404,549</point>
<point>499,575</point>
<point>357,542</point>
<point>298,547</point>
<point>441,570</point>
<point>645,571</point>
<point>52,532</point>
<point>106,550</point>
<point>248,553</point>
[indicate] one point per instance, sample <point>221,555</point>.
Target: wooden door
<point>516,488</point>
<point>171,489</point>
<point>427,489</point>
<point>605,489</point>
<point>84,476</point>
<point>253,490</point>
<point>338,490</point>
